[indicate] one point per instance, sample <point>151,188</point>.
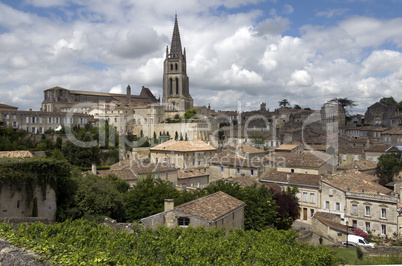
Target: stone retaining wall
<point>10,256</point>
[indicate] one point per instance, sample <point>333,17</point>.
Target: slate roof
<point>16,154</point>
<point>357,182</point>
<point>6,106</point>
<point>212,207</point>
<point>294,178</point>
<point>183,146</point>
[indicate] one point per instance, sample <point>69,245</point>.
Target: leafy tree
<point>57,155</point>
<point>399,106</point>
<point>190,113</point>
<point>257,138</point>
<point>181,136</point>
<point>345,103</point>
<point>81,156</point>
<point>297,107</point>
<point>261,210</point>
<point>289,207</point>
<point>176,136</point>
<point>176,117</point>
<point>390,101</point>
<point>284,103</point>
<point>121,185</point>
<point>147,197</point>
<point>59,143</point>
<point>91,195</point>
<point>388,164</point>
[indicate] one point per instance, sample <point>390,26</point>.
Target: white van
<point>359,241</point>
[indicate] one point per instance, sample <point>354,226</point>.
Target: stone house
<point>364,166</point>
<point>373,153</point>
<point>381,114</point>
<point>37,122</point>
<point>372,132</point>
<point>309,191</point>
<point>328,226</point>
<point>218,210</point>
<point>315,163</point>
<point>131,171</point>
<point>349,155</point>
<point>183,154</point>
<point>192,178</point>
<point>393,136</point>
<point>357,198</point>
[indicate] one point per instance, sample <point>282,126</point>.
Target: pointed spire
<point>175,47</point>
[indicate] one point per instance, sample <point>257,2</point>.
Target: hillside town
<point>346,168</point>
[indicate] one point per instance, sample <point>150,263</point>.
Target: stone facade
<point>14,203</point>
<point>176,94</point>
<point>38,122</point>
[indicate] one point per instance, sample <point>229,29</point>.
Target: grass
<point>348,256</point>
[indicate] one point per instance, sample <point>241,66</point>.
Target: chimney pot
<point>169,205</point>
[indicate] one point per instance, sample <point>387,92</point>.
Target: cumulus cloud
<point>232,55</point>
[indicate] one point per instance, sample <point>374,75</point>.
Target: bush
<point>359,253</point>
<point>360,232</point>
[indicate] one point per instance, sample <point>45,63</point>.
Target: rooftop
<point>183,146</point>
<point>357,182</point>
<point>293,178</point>
<point>212,207</point>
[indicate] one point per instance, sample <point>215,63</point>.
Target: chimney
<point>169,205</point>
<point>94,168</point>
<point>128,94</point>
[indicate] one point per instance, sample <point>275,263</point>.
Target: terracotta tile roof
<point>244,181</point>
<point>351,150</point>
<point>182,174</point>
<point>294,178</point>
<point>183,146</point>
<point>247,148</point>
<point>241,162</point>
<point>393,131</point>
<point>328,216</point>
<point>332,224</point>
<point>122,174</point>
<point>305,160</point>
<point>212,207</point>
<point>359,165</point>
<point>286,147</point>
<point>357,182</point>
<point>6,106</point>
<point>139,167</point>
<point>16,154</point>
<point>378,148</point>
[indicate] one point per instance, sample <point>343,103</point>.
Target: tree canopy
<point>284,103</point>
<point>388,101</point>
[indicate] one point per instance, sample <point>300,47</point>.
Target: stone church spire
<point>175,47</point>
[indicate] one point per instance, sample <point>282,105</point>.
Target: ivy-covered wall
<point>32,188</point>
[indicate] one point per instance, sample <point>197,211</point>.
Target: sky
<point>239,52</point>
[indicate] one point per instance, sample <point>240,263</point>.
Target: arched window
<point>171,66</point>
<point>171,86</point>
<point>175,66</point>
<point>177,86</point>
<point>173,105</point>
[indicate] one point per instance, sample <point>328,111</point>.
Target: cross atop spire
<point>175,47</point>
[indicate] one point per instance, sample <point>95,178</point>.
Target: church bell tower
<point>176,95</point>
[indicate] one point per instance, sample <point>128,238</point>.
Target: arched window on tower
<point>177,86</point>
<point>171,66</point>
<point>171,86</point>
<point>175,66</point>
